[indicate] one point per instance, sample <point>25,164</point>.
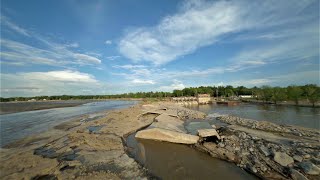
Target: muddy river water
<point>177,161</point>
<point>289,115</point>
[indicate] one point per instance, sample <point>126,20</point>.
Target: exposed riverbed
<point>93,146</point>
<point>18,125</point>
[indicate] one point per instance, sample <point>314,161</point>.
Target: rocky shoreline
<point>267,150</point>
<point>95,147</point>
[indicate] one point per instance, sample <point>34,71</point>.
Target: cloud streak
<point>202,23</point>
<point>16,53</point>
<point>6,21</point>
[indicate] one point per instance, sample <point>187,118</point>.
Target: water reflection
<point>291,115</point>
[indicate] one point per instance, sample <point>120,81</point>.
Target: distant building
<point>203,98</point>
<point>245,96</point>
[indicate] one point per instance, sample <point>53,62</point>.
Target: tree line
<point>310,92</point>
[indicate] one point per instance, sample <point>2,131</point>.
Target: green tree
<point>278,94</point>
<point>266,93</point>
<point>294,93</point>
<point>313,93</point>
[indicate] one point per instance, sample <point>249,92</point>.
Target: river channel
<point>287,115</point>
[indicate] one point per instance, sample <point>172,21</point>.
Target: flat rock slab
<point>283,159</point>
<point>208,133</point>
<point>193,127</point>
<point>167,135</point>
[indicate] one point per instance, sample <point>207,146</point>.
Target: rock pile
<point>267,150</point>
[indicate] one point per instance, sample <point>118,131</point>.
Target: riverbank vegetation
<point>309,92</point>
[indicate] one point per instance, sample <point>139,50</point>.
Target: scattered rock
<point>243,135</point>
<point>251,168</point>
<point>297,158</point>
<point>316,161</point>
<point>221,145</point>
<point>306,156</point>
<point>264,150</point>
<point>167,135</point>
<point>296,175</point>
<point>309,168</point>
<point>213,126</point>
<point>283,159</point>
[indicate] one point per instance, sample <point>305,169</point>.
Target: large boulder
<point>282,158</point>
<point>167,135</point>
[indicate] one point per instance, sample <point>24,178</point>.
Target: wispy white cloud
<point>87,59</point>
<point>142,81</point>
<point>53,55</point>
<point>46,83</point>
<point>176,85</point>
<point>129,66</point>
<point>202,23</point>
<point>112,58</point>
<point>63,76</point>
<point>108,42</point>
<point>73,45</point>
<point>7,22</point>
<point>49,53</point>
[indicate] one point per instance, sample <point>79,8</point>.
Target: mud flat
<point>95,149</point>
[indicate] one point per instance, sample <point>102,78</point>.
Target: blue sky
<point>109,47</point>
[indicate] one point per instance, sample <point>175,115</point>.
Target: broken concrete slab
<point>164,121</point>
<point>208,133</point>
<point>167,135</point>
